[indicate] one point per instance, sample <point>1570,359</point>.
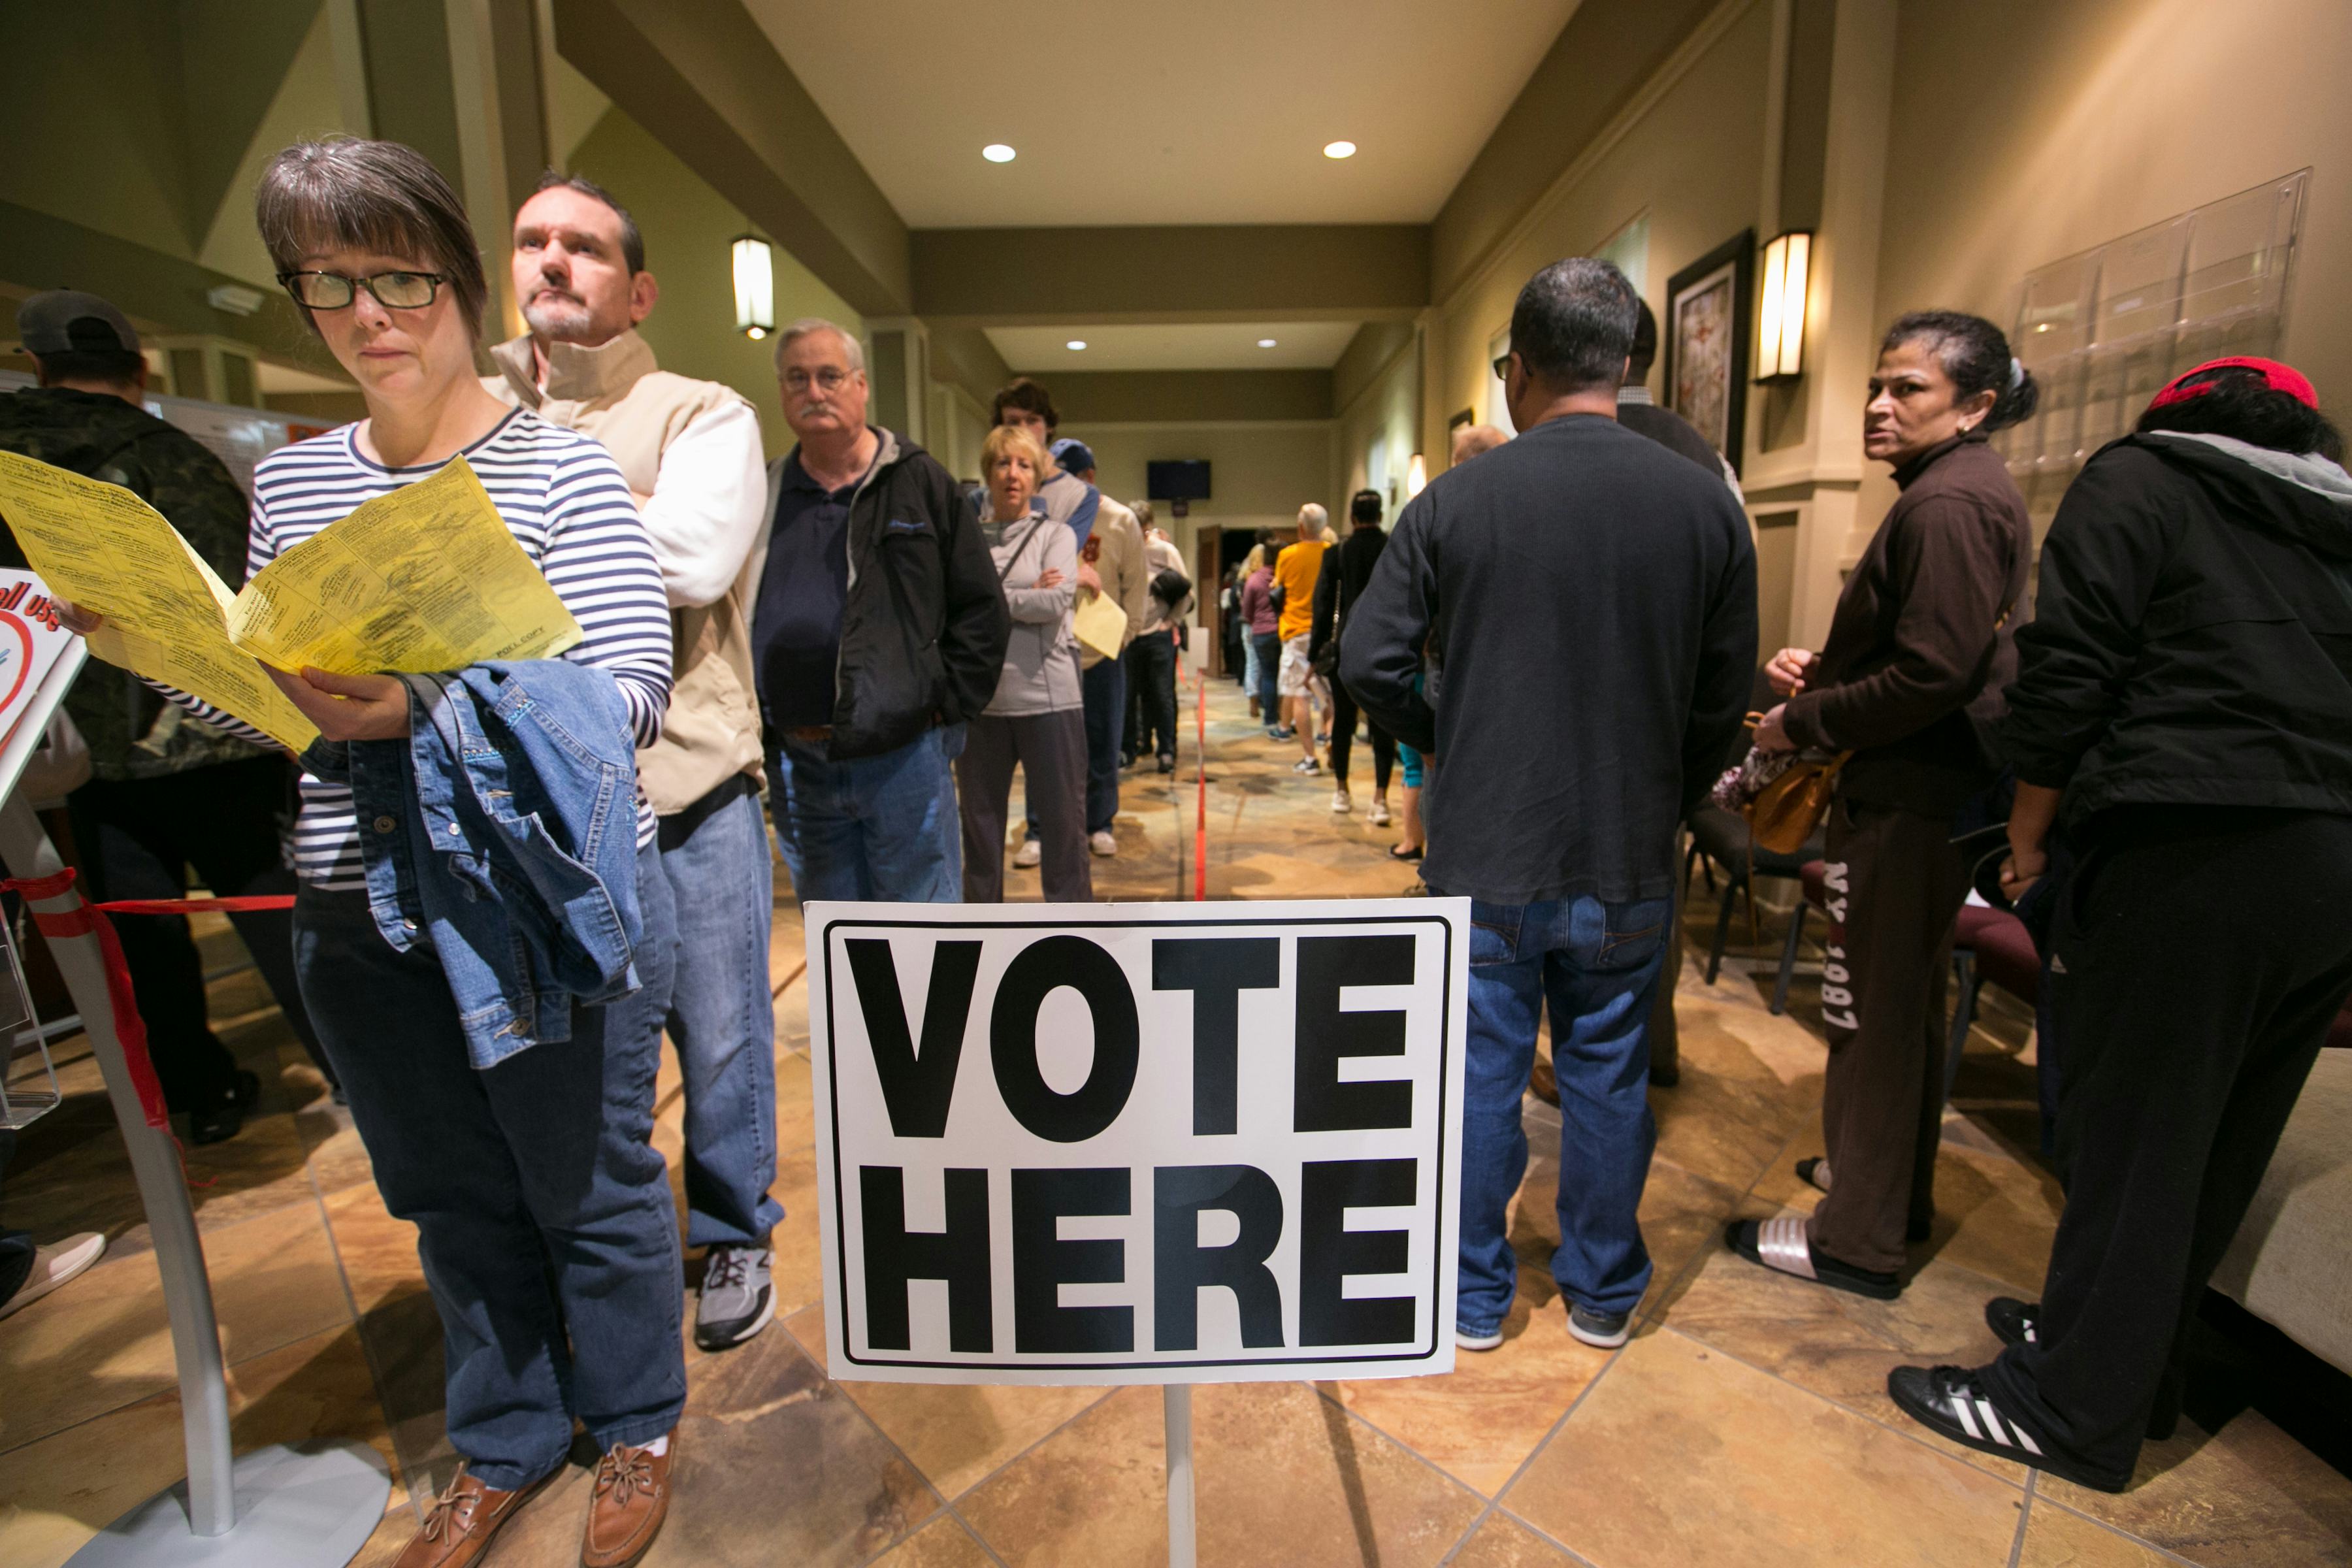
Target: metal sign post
<point>275,1507</point>
<point>1180,1546</point>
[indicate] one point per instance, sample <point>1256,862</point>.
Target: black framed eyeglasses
<point>1502,364</point>
<point>394,291</point>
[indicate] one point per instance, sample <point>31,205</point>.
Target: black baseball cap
<point>1074,454</point>
<point>67,320</point>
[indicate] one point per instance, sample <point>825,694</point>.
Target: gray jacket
<point>1041,663</point>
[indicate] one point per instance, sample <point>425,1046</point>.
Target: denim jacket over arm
<point>503,833</point>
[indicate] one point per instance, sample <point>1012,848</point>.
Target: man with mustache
<point>692,453</point>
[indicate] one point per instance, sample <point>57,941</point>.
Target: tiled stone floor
<point>1746,1423</point>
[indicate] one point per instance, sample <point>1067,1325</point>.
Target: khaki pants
<point>1895,885</point>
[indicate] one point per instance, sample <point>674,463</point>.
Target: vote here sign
<point>1138,1144</point>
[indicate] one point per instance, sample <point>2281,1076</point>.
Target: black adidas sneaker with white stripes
<point>2012,1319</point>
<point>1954,1402</point>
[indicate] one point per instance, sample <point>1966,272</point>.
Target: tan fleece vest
<point>613,393</point>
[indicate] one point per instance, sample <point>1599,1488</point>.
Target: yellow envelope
<point>1101,625</point>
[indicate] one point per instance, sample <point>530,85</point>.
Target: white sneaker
<point>1379,814</point>
<point>1340,805</point>
<point>1029,854</point>
<point>1102,843</point>
<point>53,1266</point>
<point>1470,1341</point>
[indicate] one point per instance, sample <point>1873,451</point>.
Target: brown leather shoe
<point>458,1526</point>
<point>631,1499</point>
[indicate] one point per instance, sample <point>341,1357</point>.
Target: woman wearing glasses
<point>543,1214</point>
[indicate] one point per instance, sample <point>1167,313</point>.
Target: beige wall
<point>688,226</point>
<point>1261,473</point>
<point>137,119</point>
<point>1691,162</point>
<point>1385,415</point>
<point>2091,119</point>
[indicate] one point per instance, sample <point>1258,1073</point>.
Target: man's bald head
<point>1472,439</point>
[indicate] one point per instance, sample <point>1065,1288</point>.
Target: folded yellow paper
<point>425,577</point>
<point>1100,624</point>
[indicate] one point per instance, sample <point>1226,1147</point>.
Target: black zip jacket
<point>1340,585</point>
<point>924,628</point>
<point>2193,643</point>
<point>1597,596</point>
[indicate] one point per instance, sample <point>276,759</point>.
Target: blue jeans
<point>722,1014</point>
<point>1598,964</point>
<point>543,1212</point>
<point>1104,687</point>
<point>879,827</point>
<point>1267,646</point>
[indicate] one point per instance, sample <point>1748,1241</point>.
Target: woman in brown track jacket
<point>1919,651</point>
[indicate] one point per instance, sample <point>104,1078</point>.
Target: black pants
<point>135,838</point>
<point>2201,953</point>
<point>1051,750</point>
<point>1343,737</point>
<point>1151,696</point>
<point>1895,885</point>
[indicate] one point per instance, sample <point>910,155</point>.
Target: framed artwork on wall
<point>1710,306</point>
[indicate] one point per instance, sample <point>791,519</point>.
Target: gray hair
<point>1142,510</point>
<point>1313,518</point>
<point>1573,324</point>
<point>853,350</point>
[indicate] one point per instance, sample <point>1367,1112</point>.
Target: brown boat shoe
<point>459,1525</point>
<point>627,1511</point>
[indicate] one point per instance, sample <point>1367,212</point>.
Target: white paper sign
<point>1070,1144</point>
<point>30,641</point>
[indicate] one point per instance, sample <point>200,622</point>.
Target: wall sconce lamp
<point>1781,320</point>
<point>1416,477</point>
<point>755,286</point>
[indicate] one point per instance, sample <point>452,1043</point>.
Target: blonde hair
<point>1254,559</point>
<point>1010,440</point>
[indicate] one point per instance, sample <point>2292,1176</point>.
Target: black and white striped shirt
<point>569,507</point>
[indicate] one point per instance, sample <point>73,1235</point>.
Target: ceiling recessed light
<point>1266,342</point>
<point>998,152</point>
<point>1076,343</point>
<point>1338,149</point>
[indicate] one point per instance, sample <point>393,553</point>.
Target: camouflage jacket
<point>132,732</point>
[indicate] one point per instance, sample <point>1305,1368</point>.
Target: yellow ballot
<point>424,578</point>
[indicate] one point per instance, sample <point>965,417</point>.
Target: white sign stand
<point>278,1507</point>
<point>1181,1551</point>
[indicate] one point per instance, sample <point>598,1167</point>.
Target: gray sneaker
<point>736,1301</point>
<point>1602,1329</point>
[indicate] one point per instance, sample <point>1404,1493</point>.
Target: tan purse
<point>1783,813</point>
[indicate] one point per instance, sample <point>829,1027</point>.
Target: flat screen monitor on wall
<point>1181,478</point>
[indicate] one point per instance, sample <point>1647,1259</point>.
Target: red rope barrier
<point>88,919</point>
<point>1201,828</point>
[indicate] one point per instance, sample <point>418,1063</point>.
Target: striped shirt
<point>564,498</point>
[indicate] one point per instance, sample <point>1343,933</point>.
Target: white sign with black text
<point>1138,1144</point>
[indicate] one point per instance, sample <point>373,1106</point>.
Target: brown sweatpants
<point>1895,885</point>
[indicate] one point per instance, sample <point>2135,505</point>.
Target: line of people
<point>1568,622</point>
<point>844,623</point>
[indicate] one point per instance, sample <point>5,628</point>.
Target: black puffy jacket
<point>924,629</point>
<point>2193,640</point>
